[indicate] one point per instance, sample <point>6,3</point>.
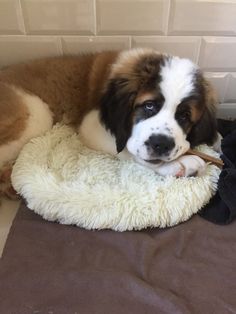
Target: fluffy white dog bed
<point>66,182</point>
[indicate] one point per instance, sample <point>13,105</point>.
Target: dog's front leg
<point>184,166</point>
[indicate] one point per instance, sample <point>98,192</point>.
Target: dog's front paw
<point>185,166</point>
<point>191,166</point>
<point>173,168</point>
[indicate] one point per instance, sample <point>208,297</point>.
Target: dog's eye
<point>185,116</point>
<point>149,105</point>
<point>149,108</point>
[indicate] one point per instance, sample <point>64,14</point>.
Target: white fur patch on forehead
<point>177,80</point>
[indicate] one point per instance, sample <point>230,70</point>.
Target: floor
<point>8,210</point>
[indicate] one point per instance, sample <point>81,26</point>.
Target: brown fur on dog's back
<point>71,86</point>
<point>13,115</point>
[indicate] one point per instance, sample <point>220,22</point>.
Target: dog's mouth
<point>154,161</point>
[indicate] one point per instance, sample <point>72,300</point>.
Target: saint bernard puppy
<point>136,104</point>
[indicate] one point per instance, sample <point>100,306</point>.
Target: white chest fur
<point>94,135</point>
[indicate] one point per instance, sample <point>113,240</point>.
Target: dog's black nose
<point>161,144</point>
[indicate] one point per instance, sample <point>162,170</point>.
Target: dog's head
<point>158,105</point>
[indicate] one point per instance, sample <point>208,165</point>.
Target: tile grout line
<point>130,42</point>
<point>226,86</point>
<point>167,22</point>
<point>60,45</point>
<point>95,17</point>
<point>22,17</point>
<point>198,51</point>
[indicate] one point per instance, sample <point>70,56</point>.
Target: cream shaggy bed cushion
<point>66,182</point>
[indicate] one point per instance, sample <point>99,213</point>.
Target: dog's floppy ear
<point>205,130</point>
<point>116,110</point>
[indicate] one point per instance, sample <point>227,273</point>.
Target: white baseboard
<point>227,111</point>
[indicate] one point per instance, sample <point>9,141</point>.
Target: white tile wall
<point>15,49</point>
<point>218,53</point>
<point>220,81</point>
<point>132,16</point>
<point>202,30</point>
<point>76,44</point>
<point>183,46</point>
<point>231,88</point>
<point>202,17</point>
<point>11,19</point>
<point>59,16</point>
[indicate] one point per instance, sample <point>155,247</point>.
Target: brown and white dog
<point>138,104</point>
